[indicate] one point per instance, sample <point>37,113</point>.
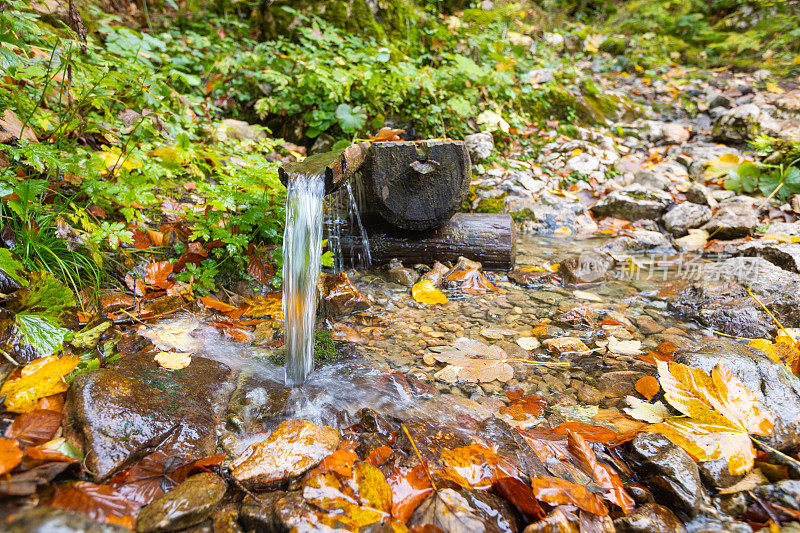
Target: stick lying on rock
<point>338,166</point>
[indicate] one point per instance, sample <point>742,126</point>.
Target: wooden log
<point>416,185</point>
<point>338,166</point>
<point>487,238</point>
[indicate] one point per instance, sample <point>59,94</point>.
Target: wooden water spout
<point>410,193</point>
<point>338,166</point>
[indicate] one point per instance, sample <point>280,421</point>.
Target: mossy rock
<point>490,205</point>
<point>591,106</point>
<point>393,18</point>
<point>615,45</point>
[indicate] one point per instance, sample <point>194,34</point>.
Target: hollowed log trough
<point>411,192</point>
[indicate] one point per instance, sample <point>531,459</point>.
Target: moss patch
<point>490,205</point>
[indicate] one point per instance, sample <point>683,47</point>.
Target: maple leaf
<point>474,362</point>
<point>557,491</point>
<point>358,500</point>
<point>425,293</point>
<point>475,466</point>
<point>39,378</point>
<point>472,281</point>
<point>784,351</point>
<point>722,414</point>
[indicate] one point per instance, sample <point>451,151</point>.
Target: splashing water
<point>302,251</point>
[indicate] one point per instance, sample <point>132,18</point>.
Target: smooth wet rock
<point>783,255</point>
<point>651,179</point>
<point>397,273</point>
<point>276,511</point>
<point>636,242</point>
<point>674,479</point>
<point>699,194</point>
<point>45,519</point>
<point>685,216</point>
<point>716,474</point>
<point>479,145</point>
<point>527,277</point>
<point>744,123</point>
<point>237,130</point>
<point>723,306</point>
<point>649,518</point>
<point>588,267</point>
<point>634,202</point>
<point>134,405</point>
<point>619,384</point>
<point>695,241</point>
<point>732,220</point>
<point>674,133</point>
<point>340,296</point>
<point>465,511</point>
<point>188,504</point>
<point>773,385</point>
<point>785,493</point>
<point>292,449</point>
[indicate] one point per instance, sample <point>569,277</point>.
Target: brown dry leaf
<point>386,134</point>
<point>474,362</point>
<point>11,128</point>
<point>34,427</point>
<point>425,293</point>
<point>721,414</point>
<point>258,267</point>
<point>648,387</point>
<point>157,274</point>
<point>294,447</point>
<point>752,480</point>
<point>10,455</point>
<point>174,360</point>
<point>523,407</point>
<point>99,502</point>
<point>39,378</point>
<point>564,345</point>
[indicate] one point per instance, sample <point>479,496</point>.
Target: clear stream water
<point>302,252</point>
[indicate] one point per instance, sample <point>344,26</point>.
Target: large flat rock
<point>120,413</point>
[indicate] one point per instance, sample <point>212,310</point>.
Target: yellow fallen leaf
<point>576,151</point>
<point>173,360</point>
<point>39,378</point>
<point>783,351</point>
<point>720,414</point>
<point>721,166</point>
<point>774,88</point>
<point>425,293</point>
<point>780,237</point>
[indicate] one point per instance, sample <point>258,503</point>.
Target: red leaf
<point>258,267</point>
<point>35,427</point>
<point>101,503</point>
<point>520,495</point>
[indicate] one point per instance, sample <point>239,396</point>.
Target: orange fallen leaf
<point>557,491</point>
<point>10,455</point>
<point>648,387</point>
<point>213,303</point>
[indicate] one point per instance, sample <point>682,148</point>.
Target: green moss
<point>615,45</point>
<point>325,351</point>
<point>490,205</point>
<point>522,215</point>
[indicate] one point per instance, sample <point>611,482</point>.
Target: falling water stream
<point>302,251</point>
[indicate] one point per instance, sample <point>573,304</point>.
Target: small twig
<point>773,193</point>
<point>8,356</point>
<point>786,460</point>
<point>419,457</point>
<point>769,313</point>
<point>715,332</point>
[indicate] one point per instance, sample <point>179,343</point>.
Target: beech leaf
<point>101,503</point>
<point>39,378</point>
